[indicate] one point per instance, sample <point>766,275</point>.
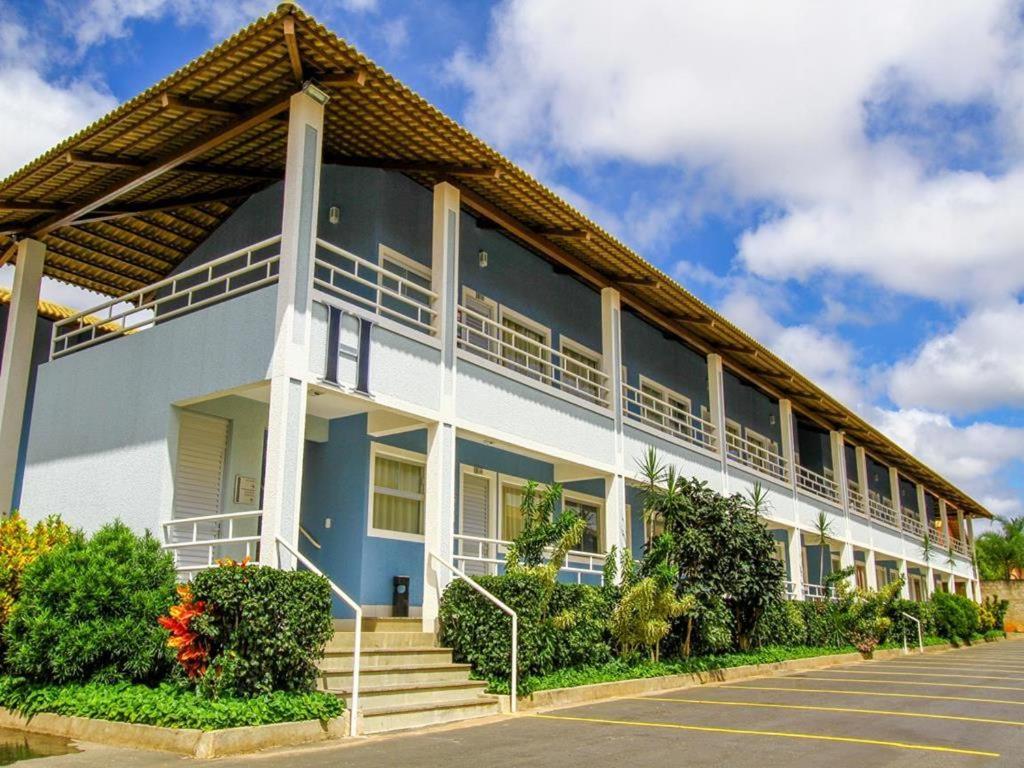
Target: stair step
<point>401,717</point>
<point>422,694</point>
<point>392,624</point>
<point>345,641</point>
<point>373,658</point>
<point>411,674</point>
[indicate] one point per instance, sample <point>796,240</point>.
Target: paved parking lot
<point>962,708</point>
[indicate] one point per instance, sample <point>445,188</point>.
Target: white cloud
<point>979,364</point>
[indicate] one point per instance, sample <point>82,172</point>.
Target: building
<point>340,323</point>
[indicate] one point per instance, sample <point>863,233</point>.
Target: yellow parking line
<point>777,734</point>
<point>853,710</point>
<point>964,670</point>
<point>888,694</point>
<point>911,682</point>
<point>883,671</point>
<point>960,665</point>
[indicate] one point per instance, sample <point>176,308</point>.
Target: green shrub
<point>573,634</point>
<point>956,617</point>
<point>167,705</point>
<point>88,611</point>
<point>265,628</point>
<point>782,623</point>
<point>923,612</point>
<point>992,614</point>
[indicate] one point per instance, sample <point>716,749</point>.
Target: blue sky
<point>844,181</point>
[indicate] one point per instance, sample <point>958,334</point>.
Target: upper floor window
<point>525,345</point>
<point>396,507</point>
<point>664,407</point>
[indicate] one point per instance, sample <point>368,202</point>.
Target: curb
<point>586,694</point>
<point>190,742</point>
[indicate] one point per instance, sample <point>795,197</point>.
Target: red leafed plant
<point>193,653</point>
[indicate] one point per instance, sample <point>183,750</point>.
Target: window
<point>525,346</point>
<point>861,575</point>
<point>415,276</point>
<point>396,507</point>
<point>511,511</point>
<point>480,332</point>
<point>837,563</point>
<point>734,438</point>
<point>591,512</point>
<point>581,369</point>
<point>780,551</point>
<point>653,527</point>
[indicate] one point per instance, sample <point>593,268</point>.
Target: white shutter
<point>476,505</point>
<point>199,479</point>
<point>482,335</point>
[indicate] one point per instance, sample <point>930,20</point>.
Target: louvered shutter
<point>199,479</point>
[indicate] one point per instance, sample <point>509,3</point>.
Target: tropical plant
<point>956,617</point>
<point>192,650</point>
<point>823,530</point>
<point>926,548</point>
<point>545,534</point>
<point>1000,553</point>
<point>867,622</point>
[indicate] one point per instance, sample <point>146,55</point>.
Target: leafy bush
<point>88,611</point>
<point>572,634</point>
<point>923,612</point>
<point>866,613</point>
<point>265,629</point>
<point>992,614</point>
<point>782,623</point>
<point>168,705</point>
<point>956,617</point>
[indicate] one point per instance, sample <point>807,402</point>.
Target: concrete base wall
<point>1013,592</point>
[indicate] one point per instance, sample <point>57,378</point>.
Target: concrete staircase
<point>406,681</point>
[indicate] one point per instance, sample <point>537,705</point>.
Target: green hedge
<point>480,634</point>
<point>88,610</point>
<point>167,705</point>
<point>266,629</point>
<point>956,617</point>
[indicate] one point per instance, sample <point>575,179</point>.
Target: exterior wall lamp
<point>482,256</point>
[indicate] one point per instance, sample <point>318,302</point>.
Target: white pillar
<point>905,592</point>
<point>17,361</point>
<point>796,562</point>
<point>871,569</point>
<point>439,490</point>
<point>862,475</point>
<point>894,490</point>
<point>716,405</point>
<point>286,427</point>
<point>611,364</point>
<point>846,560</point>
<point>961,529</point>
<point>838,453</point>
<point>788,446</point>
<point>946,530</point>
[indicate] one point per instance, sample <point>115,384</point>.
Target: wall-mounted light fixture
<point>771,419</point>
<point>482,256</point>
<point>334,214</point>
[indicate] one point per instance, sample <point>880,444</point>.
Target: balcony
<point>912,525</point>
<point>756,456</point>
<point>881,510</point>
<point>673,418</point>
<point>817,484</point>
<point>477,555</point>
<point>856,498</point>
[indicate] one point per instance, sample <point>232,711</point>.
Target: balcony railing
<point>657,412</point>
<point>960,547</point>
<point>236,273</point>
<point>819,485</point>
<point>529,357</point>
<point>477,555</point>
<point>911,524</point>
<point>198,542</point>
<point>755,456</point>
<point>818,592</point>
<point>856,499</point>
<point>374,288</point>
<point>882,512</point>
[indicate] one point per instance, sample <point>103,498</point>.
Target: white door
<point>475,520</point>
<point>199,480</point>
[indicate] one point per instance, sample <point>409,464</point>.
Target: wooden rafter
<point>292,43</point>
<point>564,233</point>
<point>347,78</point>
<point>417,166</point>
<point>648,282</point>
<point>209,169</point>
<point>185,104</point>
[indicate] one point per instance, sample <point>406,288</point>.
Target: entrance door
<point>475,521</point>
<point>199,480</point>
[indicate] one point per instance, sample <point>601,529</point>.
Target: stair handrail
<point>353,716</point>
<point>514,678</point>
<point>920,637</point>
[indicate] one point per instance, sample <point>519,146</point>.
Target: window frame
<point>667,395</point>
<point>564,342</point>
<point>544,377</point>
<point>395,454</point>
<point>593,501</point>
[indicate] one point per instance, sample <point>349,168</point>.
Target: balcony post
<point>894,492</point>
<point>611,364</point>
<point>796,561</point>
<point>961,530</point>
<point>846,560</point>
<point>289,367</point>
<point>905,573</point>
<point>440,477</point>
<point>716,403</point>
<point>944,516</point>
<point>16,367</point>
<point>870,569</point>
<point>788,447</point>
<point>862,477</point>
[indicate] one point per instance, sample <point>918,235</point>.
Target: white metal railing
<point>353,716</point>
<point>238,272</point>
<point>472,552</point>
<point>657,412</point>
<point>196,542</point>
<point>532,358</point>
<point>514,671</point>
<point>374,288</point>
<point>755,456</point>
<point>817,484</point>
<point>790,587</point>
<point>818,592</point>
<point>939,537</point>
<point>882,512</point>
<point>912,525</point>
<point>959,546</point>
<point>920,637</point>
<point>856,499</point>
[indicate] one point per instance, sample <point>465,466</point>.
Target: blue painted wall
<point>649,352</point>
<point>815,574</point>
<point>751,407</point>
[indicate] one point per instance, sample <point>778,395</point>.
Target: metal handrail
<point>148,300</point>
<point>595,560</point>
<point>514,678</point>
<point>353,717</point>
<point>920,637</point>
<point>210,544</point>
<point>309,537</point>
<point>657,413</point>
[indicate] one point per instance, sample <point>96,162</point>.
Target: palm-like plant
<point>1000,553</point>
<point>926,548</point>
<point>823,530</point>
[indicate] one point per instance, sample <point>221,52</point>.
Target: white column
<point>905,592</point>
<point>894,490</point>
<point>439,490</point>
<point>17,361</point>
<point>716,404</point>
<point>788,447</point>
<point>944,516</point>
<point>846,560</point>
<point>870,567</point>
<point>961,529</point>
<point>839,467</point>
<point>611,363</point>
<point>286,427</point>
<point>862,474</point>
<point>922,507</point>
<point>796,562</point>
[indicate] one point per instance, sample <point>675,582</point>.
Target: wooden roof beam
<point>103,161</point>
<point>647,282</point>
<point>564,233</point>
<point>693,319</point>
<point>170,204</point>
<point>185,104</point>
<point>417,166</point>
<point>292,44</point>
<point>26,207</point>
<point>348,78</point>
<point>160,166</point>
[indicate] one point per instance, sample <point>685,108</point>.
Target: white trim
<point>566,343</point>
<point>400,454</point>
<point>666,395</point>
<point>389,253</point>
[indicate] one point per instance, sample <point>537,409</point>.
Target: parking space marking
<point>910,682</point>
<point>775,734</point>
<point>982,673</point>
<point>888,694</point>
<point>885,671</point>
<point>851,710</point>
<point>980,665</point>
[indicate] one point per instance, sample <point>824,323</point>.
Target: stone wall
<point>1013,591</point>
